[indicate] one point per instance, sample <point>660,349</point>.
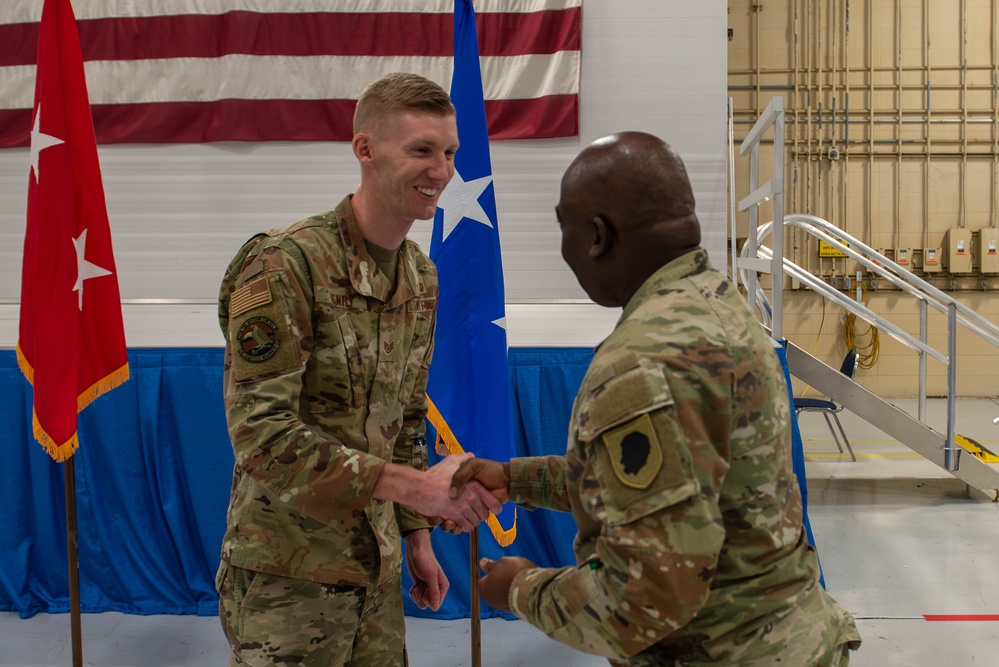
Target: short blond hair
<point>398,92</point>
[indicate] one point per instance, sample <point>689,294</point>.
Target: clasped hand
<point>461,508</point>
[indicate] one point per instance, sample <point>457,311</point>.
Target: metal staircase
<point>910,430</point>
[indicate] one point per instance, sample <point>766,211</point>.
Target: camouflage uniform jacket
<point>691,548</point>
<point>325,381</point>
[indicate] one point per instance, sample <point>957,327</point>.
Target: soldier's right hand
<point>466,507</point>
<point>493,475</point>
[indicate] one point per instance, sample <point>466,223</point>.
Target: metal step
<point>900,425</point>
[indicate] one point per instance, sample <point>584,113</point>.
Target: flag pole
<point>473,557</point>
<point>74,574</point>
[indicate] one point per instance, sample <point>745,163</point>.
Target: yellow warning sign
<point>829,250</point>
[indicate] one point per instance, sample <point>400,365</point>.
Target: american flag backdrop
<point>162,71</point>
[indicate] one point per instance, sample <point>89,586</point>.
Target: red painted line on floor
<point>961,617</point>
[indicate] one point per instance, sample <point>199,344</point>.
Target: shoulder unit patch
<point>257,339</point>
<point>634,452</point>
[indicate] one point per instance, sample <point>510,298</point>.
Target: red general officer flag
<point>71,343</point>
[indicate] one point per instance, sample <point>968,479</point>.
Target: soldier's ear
<point>361,143</point>
<point>602,232</point>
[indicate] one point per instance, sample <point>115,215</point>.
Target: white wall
<point>180,211</point>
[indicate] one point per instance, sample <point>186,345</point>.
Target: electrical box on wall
<point>988,259</point>
<point>957,250</point>
<point>931,260</point>
<point>903,257</point>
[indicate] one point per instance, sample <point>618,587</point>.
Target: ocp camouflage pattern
<point>325,380</point>
<point>272,620</point>
<point>691,548</point>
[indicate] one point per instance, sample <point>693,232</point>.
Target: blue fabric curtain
<point>152,484</point>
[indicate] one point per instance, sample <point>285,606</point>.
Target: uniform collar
<point>365,277</point>
<point>693,262</point>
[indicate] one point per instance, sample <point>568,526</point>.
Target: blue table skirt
<point>152,480</point>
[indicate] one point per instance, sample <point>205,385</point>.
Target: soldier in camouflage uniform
<point>329,328</point>
<point>691,548</point>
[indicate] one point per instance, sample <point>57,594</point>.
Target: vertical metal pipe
<point>754,221</point>
<point>756,27</point>
<point>922,360</point>
<point>819,151</point>
<point>796,99</point>
<point>846,111</point>
<point>777,265</point>
<point>870,123</point>
<point>950,455</point>
<point>840,218</point>
<point>809,67</point>
<point>801,254</point>
<point>995,117</point>
<point>898,147</point>
<point>928,133</point>
<point>963,218</point>
<point>731,190</point>
<point>820,97</point>
<point>829,57</point>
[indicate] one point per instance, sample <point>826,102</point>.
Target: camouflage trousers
<point>271,620</point>
<point>838,656</point>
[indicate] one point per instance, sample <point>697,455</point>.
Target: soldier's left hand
<point>430,584</point>
<point>494,586</point>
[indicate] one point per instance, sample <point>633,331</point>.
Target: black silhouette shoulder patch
<point>634,452</point>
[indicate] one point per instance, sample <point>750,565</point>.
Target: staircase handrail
<point>852,305</point>
<point>898,276</point>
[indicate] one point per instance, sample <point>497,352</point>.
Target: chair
<point>830,409</point>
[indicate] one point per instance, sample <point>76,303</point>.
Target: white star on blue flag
<point>460,201</point>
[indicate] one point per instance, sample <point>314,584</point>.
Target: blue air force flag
<point>469,385</point>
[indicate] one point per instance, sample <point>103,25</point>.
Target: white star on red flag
<point>39,142</point>
<point>85,270</point>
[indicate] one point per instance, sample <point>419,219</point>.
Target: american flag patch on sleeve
<point>250,296</point>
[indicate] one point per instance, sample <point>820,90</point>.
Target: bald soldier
<point>691,548</point>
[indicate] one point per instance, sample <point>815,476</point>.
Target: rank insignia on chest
<point>634,452</point>
<point>257,339</point>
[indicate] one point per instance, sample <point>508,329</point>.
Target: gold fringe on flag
<point>105,384</point>
<point>25,367</point>
<point>62,451</point>
<point>59,452</point>
<point>448,444</point>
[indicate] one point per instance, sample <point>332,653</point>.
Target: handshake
<point>465,490</point>
<point>459,492</point>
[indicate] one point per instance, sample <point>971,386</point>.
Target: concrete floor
<point>899,540</point>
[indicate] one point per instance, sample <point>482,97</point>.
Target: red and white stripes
<point>163,71</point>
